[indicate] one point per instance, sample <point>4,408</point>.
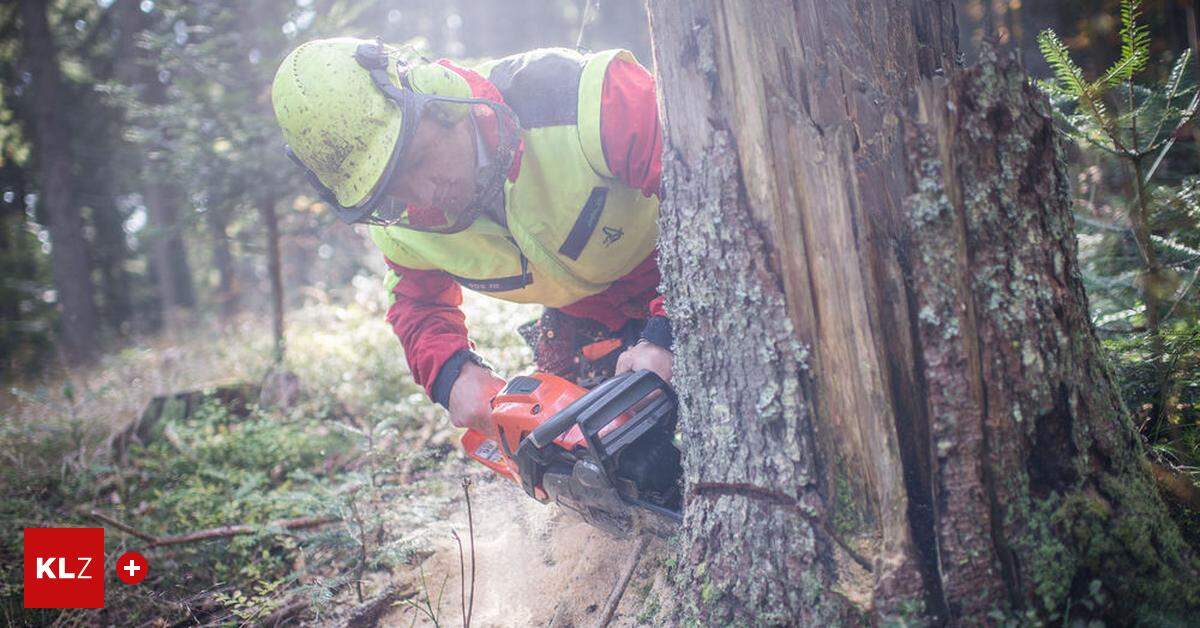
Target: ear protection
<point>426,79</point>
<point>438,80</point>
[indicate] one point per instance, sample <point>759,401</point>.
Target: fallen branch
<point>614,598</point>
<point>235,530</point>
<point>126,528</point>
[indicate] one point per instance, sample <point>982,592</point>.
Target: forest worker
<point>534,178</point>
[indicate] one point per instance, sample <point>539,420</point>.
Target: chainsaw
<point>607,454</point>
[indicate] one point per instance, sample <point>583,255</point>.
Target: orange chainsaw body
<point>605,453</point>
<point>516,411</point>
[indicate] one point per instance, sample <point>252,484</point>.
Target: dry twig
<point>466,484</point>
<point>614,598</point>
<point>126,528</point>
<point>235,530</point>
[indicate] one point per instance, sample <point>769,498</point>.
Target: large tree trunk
<point>882,342</point>
<point>69,255</point>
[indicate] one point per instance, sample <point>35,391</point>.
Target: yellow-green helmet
<point>349,107</point>
<point>334,119</point>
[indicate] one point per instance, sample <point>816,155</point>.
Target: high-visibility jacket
<point>581,227</point>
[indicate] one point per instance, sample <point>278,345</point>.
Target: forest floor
<point>362,448</point>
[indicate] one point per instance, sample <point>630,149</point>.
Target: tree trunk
<point>882,341</point>
<point>111,253</point>
<point>227,297</point>
<point>69,255</point>
<point>168,256</point>
<point>168,249</point>
<point>266,208</point>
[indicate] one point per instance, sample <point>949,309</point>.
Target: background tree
<point>71,263</point>
<point>888,238</point>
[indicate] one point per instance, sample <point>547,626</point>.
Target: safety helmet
<point>349,109</point>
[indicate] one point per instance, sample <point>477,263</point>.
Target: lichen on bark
<point>748,465</point>
<point>1029,433</point>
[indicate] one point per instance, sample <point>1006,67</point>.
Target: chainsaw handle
<point>558,424</point>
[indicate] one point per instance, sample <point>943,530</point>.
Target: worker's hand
<point>471,396</point>
<point>649,356</point>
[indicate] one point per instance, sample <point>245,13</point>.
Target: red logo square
<point>64,567</point>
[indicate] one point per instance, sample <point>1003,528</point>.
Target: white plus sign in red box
<point>132,567</point>
<point>64,567</point>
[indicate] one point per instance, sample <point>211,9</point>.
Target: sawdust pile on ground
<point>535,565</point>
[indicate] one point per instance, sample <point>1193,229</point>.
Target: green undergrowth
<point>1137,219</point>
<point>363,447</point>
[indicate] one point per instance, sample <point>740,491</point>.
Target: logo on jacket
<point>612,235</point>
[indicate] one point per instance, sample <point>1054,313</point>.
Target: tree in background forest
<point>70,260</point>
<point>894,402</point>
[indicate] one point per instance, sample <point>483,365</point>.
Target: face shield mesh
<point>499,130</point>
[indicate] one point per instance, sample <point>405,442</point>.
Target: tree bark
<point>882,339</point>
<point>162,197</point>
<point>69,255</point>
<point>227,296</point>
<point>266,208</point>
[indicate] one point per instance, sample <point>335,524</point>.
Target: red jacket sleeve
<point>629,130</point>
<point>426,317</point>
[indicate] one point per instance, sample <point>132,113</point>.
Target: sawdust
<point>535,566</point>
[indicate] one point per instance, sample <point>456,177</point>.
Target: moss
<point>1052,565</point>
<point>1117,537</point>
<point>910,612</point>
<point>847,517</point>
<point>651,607</point>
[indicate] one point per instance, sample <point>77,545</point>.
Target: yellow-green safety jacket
<point>572,228</point>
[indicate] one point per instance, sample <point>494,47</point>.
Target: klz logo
<point>45,568</point>
<point>64,567</point>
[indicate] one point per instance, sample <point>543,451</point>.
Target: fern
<point>1176,77</point>
<point>1070,80</point>
<point>1069,75</point>
<point>1135,39</point>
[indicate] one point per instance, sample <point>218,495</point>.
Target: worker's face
<point>438,169</point>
